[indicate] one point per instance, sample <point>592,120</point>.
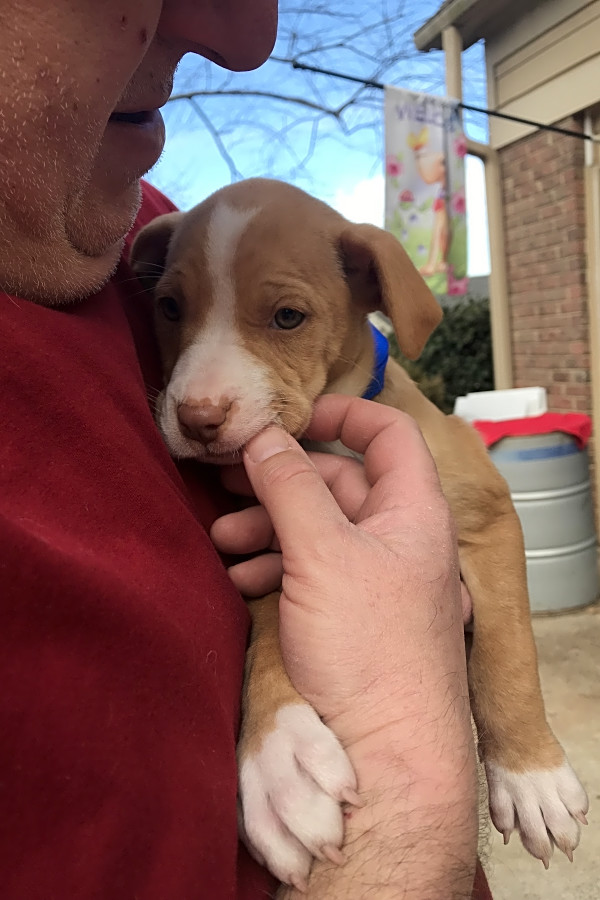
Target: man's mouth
<point>137,137</point>
<point>141,117</point>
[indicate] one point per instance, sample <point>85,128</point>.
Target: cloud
<point>361,202</point>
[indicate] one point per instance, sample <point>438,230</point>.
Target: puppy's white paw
<point>545,806</point>
<point>290,795</point>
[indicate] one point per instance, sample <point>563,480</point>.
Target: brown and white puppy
<point>261,295</point>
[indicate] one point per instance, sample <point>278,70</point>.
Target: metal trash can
<point>548,477</point>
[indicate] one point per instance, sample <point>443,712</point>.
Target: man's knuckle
<point>291,472</point>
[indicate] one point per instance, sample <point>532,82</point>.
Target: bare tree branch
<point>295,113</point>
<point>236,175</point>
<point>190,95</point>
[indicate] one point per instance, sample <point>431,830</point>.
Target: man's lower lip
<point>143,139</point>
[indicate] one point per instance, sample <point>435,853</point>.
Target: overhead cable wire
<point>366,82</point>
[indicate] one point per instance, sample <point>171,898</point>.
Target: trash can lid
<point>576,424</point>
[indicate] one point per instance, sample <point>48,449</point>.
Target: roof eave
<point>457,13</point>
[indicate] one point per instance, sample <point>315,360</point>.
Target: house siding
<point>544,66</point>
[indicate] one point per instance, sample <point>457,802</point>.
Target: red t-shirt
<point>122,638</point>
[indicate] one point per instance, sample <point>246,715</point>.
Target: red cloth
<point>575,424</point>
<point>122,638</point>
<point>481,889</point>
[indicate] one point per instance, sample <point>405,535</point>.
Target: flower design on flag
<point>457,287</point>
<point>459,205</point>
<point>406,197</point>
<point>460,146</point>
<point>393,167</point>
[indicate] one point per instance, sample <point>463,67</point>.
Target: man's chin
<point>94,237</point>
<point>72,251</point>
<point>62,278</point>
<point>100,219</point>
<point>86,278</point>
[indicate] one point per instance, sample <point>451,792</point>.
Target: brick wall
<point>542,178</point>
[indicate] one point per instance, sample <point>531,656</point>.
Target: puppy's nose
<point>201,421</point>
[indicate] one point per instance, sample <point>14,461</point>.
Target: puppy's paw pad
<point>545,805</point>
<point>290,794</point>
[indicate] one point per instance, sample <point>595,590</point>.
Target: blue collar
<point>382,350</point>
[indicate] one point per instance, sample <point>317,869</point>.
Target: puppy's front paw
<point>290,795</point>
<point>545,806</point>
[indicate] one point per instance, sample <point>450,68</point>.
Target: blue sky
<point>230,132</point>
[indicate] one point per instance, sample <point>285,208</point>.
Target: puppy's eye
<point>169,307</point>
<point>288,318</point>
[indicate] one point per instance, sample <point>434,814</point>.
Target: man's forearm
<point>415,837</point>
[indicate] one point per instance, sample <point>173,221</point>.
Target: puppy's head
<point>261,294</point>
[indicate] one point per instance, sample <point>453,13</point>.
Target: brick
<point>546,265</point>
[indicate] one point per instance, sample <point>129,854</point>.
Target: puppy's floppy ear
<point>149,249</point>
<point>382,276</point>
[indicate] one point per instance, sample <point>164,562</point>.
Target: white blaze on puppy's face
<point>216,369</point>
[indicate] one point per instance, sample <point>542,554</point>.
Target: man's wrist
<point>401,716</point>
<point>428,853</point>
<point>430,771</point>
<point>415,835</point>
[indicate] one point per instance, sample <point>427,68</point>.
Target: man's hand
<point>370,588</point>
<point>371,629</point>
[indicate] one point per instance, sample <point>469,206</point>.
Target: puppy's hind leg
<point>532,787</point>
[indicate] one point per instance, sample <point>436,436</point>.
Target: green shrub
<point>457,358</point>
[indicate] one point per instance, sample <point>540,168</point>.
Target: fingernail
<point>269,442</point>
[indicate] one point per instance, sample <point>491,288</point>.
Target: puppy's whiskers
<point>153,395</point>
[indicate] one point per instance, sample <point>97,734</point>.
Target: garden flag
<point>425,186</point>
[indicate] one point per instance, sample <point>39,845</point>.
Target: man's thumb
<point>299,503</point>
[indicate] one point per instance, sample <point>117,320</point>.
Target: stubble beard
<point>60,240</point>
